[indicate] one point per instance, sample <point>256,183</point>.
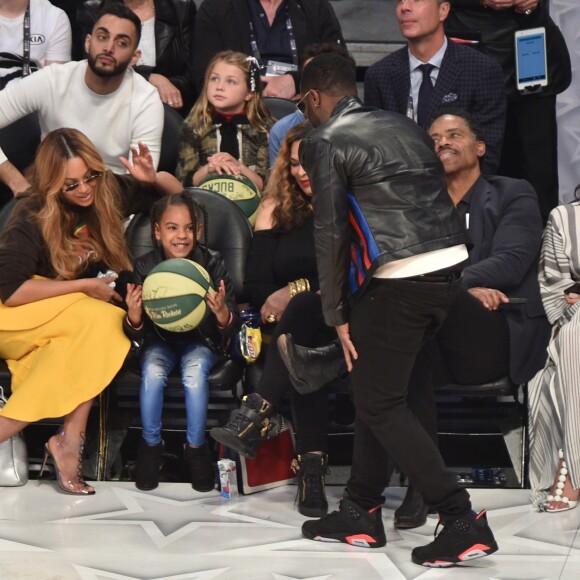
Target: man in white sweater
<point>102,97</point>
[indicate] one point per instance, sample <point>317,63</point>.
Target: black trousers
<point>303,319</point>
<point>471,347</point>
<point>530,147</point>
<point>389,325</point>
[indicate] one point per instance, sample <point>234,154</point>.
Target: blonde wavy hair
<point>292,206</point>
<point>58,219</point>
<point>200,116</point>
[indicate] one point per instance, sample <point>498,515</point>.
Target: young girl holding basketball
<point>177,223</point>
<point>227,129</point>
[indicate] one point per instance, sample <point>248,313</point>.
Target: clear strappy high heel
<point>67,486</point>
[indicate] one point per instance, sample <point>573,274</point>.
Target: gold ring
<point>271,318</point>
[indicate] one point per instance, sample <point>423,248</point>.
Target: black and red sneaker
<point>460,540</point>
<point>351,524</point>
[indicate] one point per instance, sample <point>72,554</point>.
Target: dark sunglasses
<point>301,104</point>
<point>73,186</point>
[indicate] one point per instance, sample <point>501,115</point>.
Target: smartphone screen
<point>531,58</point>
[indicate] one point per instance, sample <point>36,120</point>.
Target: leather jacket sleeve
<point>331,226</point>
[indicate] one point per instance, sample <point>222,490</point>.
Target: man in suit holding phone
<point>455,75</point>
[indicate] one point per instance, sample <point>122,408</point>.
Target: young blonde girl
<point>227,129</point>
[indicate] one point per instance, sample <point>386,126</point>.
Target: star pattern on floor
<point>166,520</point>
<point>94,574</point>
<point>174,533</point>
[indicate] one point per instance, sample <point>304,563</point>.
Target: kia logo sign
<point>37,39</point>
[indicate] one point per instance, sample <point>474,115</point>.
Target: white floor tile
<point>175,533</point>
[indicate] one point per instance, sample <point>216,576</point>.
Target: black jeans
<point>471,347</point>
<point>303,319</point>
<point>389,325</point>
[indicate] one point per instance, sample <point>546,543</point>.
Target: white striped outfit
<point>554,393</point>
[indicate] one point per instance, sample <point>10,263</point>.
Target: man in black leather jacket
<point>390,249</point>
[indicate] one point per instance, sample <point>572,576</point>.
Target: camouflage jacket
<point>194,150</point>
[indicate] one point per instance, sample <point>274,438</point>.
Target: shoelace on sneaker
<point>337,514</point>
<point>462,524</point>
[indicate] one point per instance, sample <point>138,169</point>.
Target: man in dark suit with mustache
<point>486,335</point>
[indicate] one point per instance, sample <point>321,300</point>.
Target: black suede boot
<point>148,466</point>
<point>311,368</point>
<point>200,466</point>
<point>412,513</point>
<point>311,469</point>
<point>254,422</point>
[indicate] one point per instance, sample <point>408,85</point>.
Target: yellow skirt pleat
<point>67,359</point>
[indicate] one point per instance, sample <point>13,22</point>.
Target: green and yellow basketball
<point>174,294</point>
<point>237,188</point>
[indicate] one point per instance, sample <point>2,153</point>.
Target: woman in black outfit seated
<point>166,44</point>
<point>282,281</point>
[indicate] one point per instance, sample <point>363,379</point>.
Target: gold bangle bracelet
<point>298,286</point>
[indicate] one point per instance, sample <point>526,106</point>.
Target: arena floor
<point>175,533</point>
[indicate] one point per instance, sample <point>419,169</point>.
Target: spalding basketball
<point>174,294</point>
<point>239,189</point>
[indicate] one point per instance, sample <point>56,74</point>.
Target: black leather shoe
<point>255,421</point>
<point>311,368</point>
<point>412,513</point>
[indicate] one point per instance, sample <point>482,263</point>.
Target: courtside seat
<point>172,124</point>
<point>470,417</point>
<point>279,107</point>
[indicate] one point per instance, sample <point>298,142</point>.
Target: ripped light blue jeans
<point>158,359</point>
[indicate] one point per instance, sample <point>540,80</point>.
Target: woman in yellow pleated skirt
<point>60,321</point>
<point>61,352</point>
